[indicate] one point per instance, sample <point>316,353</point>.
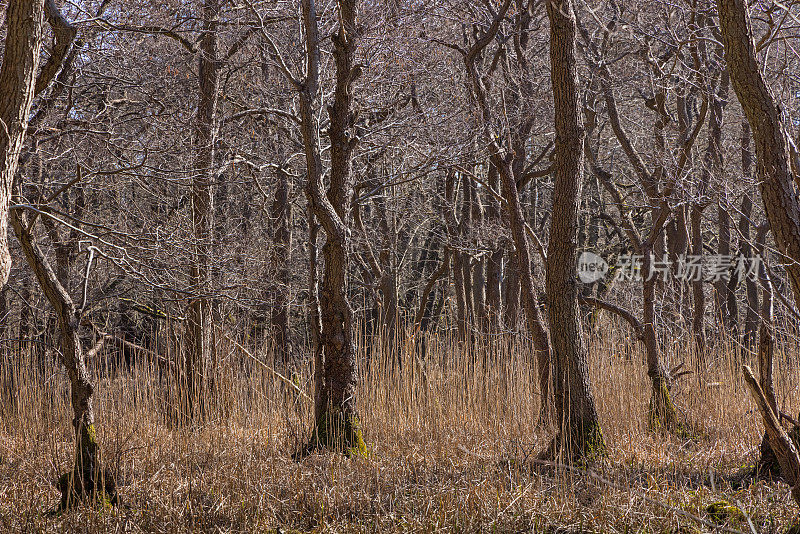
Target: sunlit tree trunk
<point>24,35</point>
<point>579,430</point>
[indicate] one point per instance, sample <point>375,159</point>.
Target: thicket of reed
<point>451,436</point>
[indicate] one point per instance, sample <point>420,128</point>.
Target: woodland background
<point>207,189</point>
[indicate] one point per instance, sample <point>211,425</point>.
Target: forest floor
<point>450,438</point>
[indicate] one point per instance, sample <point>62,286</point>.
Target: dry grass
<point>449,438</point>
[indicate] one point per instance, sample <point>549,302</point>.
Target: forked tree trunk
<point>24,36</point>
<point>87,478</point>
<point>579,430</point>
<point>336,418</point>
<point>504,163</point>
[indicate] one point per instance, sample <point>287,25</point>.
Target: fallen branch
<point>271,369</point>
<point>781,444</point>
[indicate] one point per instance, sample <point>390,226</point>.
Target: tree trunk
<point>579,430</point>
<point>465,235</point>
<point>390,298</point>
<point>24,36</point>
<point>478,268</point>
<point>494,265</point>
<point>511,290</point>
<point>775,183</point>
<point>767,466</point>
<point>527,292</point>
<point>87,478</point>
<point>698,293</point>
<point>661,413</point>
<point>714,163</point>
<point>763,115</point>
<point>337,424</point>
<point>454,240</point>
<point>199,319</point>
<point>281,216</point>
<point>751,320</point>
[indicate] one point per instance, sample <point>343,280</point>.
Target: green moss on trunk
<point>592,443</point>
<point>662,414</point>
<point>87,479</point>
<point>585,445</point>
<point>339,432</point>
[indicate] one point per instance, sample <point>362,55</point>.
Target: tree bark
<point>579,430</point>
<point>24,36</point>
<point>337,424</point>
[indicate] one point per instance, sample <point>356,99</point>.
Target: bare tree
<point>337,424</point>
<point>777,192</point>
<point>579,433</point>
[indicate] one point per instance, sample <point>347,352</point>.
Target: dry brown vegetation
<point>451,441</point>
